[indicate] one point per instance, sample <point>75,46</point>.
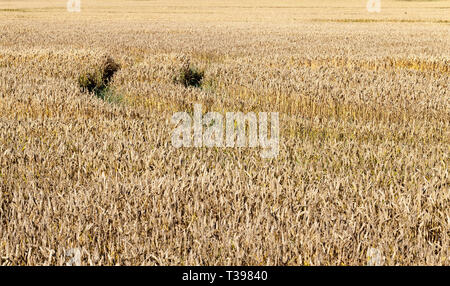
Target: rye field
<point>91,174</point>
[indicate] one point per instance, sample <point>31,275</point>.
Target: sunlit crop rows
<point>364,116</point>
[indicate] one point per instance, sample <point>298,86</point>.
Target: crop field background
<point>363,100</point>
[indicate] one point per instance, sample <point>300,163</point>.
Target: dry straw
<point>364,127</point>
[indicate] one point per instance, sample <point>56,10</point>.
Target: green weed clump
<point>190,76</point>
<point>98,79</point>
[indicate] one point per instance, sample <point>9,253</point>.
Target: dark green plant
<point>190,76</point>
<point>97,80</point>
<point>109,68</point>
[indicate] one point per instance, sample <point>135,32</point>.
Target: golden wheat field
<point>364,115</point>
